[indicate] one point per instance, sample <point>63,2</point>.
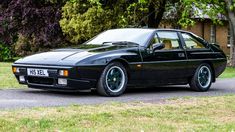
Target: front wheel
<point>113,80</point>
<point>202,79</point>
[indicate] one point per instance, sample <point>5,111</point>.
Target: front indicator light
<point>62,81</point>
<point>64,73</point>
<point>15,70</point>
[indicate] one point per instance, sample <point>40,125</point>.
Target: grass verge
<point>187,114</point>
<point>7,79</point>
<point>228,73</point>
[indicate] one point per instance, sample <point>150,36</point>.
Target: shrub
<point>5,52</point>
<point>37,22</point>
<point>22,46</point>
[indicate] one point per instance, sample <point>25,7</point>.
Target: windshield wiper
<point>122,43</point>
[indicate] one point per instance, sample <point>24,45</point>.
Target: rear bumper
<point>74,83</point>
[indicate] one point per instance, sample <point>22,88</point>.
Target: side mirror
<point>158,46</point>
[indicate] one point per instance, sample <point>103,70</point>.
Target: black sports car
<point>118,58</point>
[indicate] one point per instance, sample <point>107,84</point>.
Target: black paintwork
<point>145,67</point>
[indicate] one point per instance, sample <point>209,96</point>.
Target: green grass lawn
<point>7,80</point>
<point>228,73</point>
<point>183,114</point>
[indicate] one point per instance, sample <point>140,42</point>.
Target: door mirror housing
<point>158,46</point>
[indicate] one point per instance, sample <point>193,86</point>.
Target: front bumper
<point>51,82</point>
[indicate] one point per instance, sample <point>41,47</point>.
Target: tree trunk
<point>153,18</point>
<point>160,13</point>
<point>231,17</point>
<point>232,47</point>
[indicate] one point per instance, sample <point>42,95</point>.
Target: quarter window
<point>170,39</point>
<point>191,43</point>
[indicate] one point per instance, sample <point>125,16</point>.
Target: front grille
<point>41,80</point>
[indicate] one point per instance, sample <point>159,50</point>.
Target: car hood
<point>68,56</point>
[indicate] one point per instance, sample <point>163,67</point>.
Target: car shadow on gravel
<point>129,91</point>
<point>159,89</point>
<point>60,93</point>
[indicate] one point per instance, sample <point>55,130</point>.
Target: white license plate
<point>37,72</point>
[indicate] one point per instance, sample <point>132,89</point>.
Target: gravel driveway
<point>22,98</point>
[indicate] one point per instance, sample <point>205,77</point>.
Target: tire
<point>202,78</point>
<point>113,80</point>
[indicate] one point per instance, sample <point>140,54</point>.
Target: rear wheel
<point>202,79</point>
<point>113,80</point>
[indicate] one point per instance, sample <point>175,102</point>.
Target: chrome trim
<point>196,53</point>
<point>176,61</point>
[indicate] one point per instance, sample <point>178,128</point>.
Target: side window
<point>191,43</point>
<point>170,39</point>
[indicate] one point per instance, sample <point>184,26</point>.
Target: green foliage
<point>5,52</point>
<point>30,26</point>
<point>143,1</point>
<point>83,20</point>
<point>43,24</point>
<point>136,12</point>
<point>186,19</point>
<point>96,2</point>
<point>22,46</point>
<point>232,6</point>
<point>211,8</point>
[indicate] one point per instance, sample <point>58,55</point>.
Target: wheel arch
<point>212,68</point>
<point>124,63</point>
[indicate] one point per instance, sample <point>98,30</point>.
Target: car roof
<point>136,29</point>
<point>152,29</point>
<point>176,30</point>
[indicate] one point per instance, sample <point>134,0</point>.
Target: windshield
<point>138,36</point>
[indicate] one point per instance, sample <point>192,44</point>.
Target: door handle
<point>181,55</point>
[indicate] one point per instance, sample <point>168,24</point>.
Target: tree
<point>36,23</point>
<point>82,19</point>
<point>212,8</point>
<point>154,11</point>
<point>230,13</point>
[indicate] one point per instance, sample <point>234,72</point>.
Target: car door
<point>196,50</point>
<point>166,65</point>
